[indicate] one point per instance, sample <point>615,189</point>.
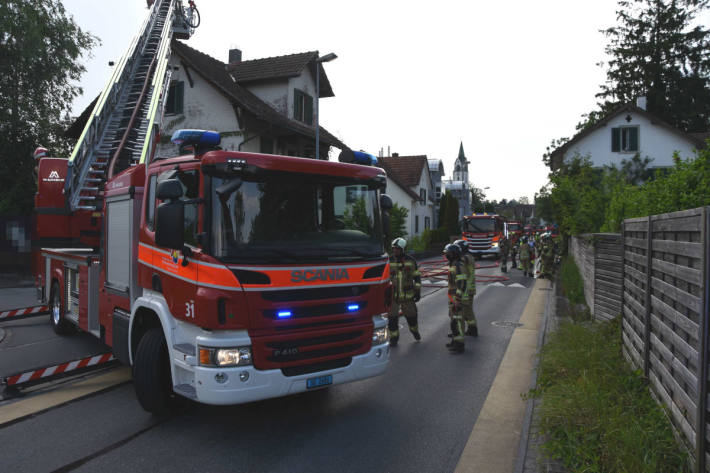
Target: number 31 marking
<point>190,309</point>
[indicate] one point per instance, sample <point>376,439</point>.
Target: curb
<point>527,422</point>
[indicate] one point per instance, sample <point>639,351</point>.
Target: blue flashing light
<point>360,157</point>
<point>283,314</point>
<point>198,138</point>
<point>353,307</point>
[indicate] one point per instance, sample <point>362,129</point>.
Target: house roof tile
<point>280,67</point>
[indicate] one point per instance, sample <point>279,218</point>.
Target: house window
<point>416,224</point>
<point>302,107</point>
<point>625,139</point>
<point>422,195</point>
<point>438,192</point>
<point>175,98</point>
<point>427,223</point>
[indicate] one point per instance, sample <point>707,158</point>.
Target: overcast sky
<point>415,77</point>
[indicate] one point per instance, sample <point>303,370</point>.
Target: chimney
<point>641,103</point>
<point>235,56</point>
<point>395,155</point>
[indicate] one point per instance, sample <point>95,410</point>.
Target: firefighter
<point>513,251</point>
<point>469,268</point>
<point>457,288</point>
<point>39,153</point>
<point>525,256</point>
<point>504,246</point>
<point>547,257</point>
<point>406,290</point>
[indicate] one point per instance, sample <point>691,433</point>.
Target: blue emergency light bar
<point>283,314</point>
<point>357,157</point>
<point>198,138</point>
<point>353,307</point>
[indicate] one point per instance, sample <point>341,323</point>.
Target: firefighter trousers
<point>457,322</point>
<point>409,311</point>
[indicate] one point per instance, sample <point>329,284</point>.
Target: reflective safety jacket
<point>505,246</point>
<point>469,270</point>
<point>457,281</point>
<point>405,277</point>
<point>524,250</point>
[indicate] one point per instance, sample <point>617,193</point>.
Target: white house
<point>263,105</point>
<point>409,184</point>
<point>626,131</point>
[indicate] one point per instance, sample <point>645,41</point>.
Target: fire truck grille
<point>314,311</point>
<point>298,295</point>
<point>290,351</point>
<point>316,367</point>
<point>480,243</point>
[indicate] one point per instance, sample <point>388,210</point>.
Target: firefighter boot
<point>456,348</point>
<point>472,330</point>
<point>417,335</point>
<point>393,341</point>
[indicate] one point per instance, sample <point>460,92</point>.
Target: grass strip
<point>596,413</point>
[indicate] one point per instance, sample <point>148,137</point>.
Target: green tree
<point>398,222</point>
<point>40,47</point>
<point>656,53</point>
<point>451,216</point>
<point>356,218</point>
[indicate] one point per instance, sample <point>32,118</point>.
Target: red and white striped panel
<point>16,313</point>
<point>58,369</point>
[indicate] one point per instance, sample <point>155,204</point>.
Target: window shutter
<point>308,115</point>
<point>179,94</point>
<point>170,102</point>
<point>615,140</point>
<point>297,105</point>
<point>633,139</point>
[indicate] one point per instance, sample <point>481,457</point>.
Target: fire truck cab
<point>483,231</point>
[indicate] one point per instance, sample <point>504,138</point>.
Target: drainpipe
<point>239,148</point>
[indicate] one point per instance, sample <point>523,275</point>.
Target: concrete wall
<point>275,94</point>
<point>654,142</point>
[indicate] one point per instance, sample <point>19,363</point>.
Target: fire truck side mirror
<point>386,202</point>
<point>386,206</point>
<point>170,216</point>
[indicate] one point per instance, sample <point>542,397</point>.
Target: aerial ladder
<point>123,125</point>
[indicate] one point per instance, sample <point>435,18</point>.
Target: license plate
<point>319,381</point>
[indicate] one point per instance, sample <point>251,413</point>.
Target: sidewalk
<point>503,425</point>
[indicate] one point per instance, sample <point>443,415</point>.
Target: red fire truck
<point>515,230</point>
<point>483,231</point>
<point>223,277</point>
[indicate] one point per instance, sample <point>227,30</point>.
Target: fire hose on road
<point>436,273</point>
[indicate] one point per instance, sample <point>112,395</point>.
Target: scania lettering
<point>223,277</point>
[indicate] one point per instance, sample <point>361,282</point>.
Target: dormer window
<point>625,139</point>
<point>302,107</point>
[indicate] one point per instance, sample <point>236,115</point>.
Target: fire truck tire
<point>151,374</point>
<point>60,325</point>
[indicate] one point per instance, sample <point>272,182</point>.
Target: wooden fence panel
<point>664,316</point>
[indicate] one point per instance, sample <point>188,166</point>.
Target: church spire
<point>462,156</point>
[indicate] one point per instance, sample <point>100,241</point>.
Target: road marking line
<point>63,394</point>
<point>493,444</point>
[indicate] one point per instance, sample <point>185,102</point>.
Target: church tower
<point>461,166</point>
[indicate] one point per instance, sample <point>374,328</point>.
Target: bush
<point>572,282</point>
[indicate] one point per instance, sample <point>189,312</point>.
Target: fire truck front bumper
<point>245,384</point>
<point>240,384</point>
<point>494,250</point>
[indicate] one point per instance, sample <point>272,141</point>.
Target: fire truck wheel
<point>151,373</point>
<point>60,325</point>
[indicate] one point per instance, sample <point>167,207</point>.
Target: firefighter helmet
<point>452,252</point>
<point>463,244</point>
<point>400,242</point>
<point>40,152</point>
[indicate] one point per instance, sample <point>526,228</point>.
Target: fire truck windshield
<point>278,217</point>
<point>479,225</point>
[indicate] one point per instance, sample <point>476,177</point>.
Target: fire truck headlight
<point>380,335</point>
<point>238,356</point>
<point>494,244</point>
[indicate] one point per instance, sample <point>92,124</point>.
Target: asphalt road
<point>416,417</point>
